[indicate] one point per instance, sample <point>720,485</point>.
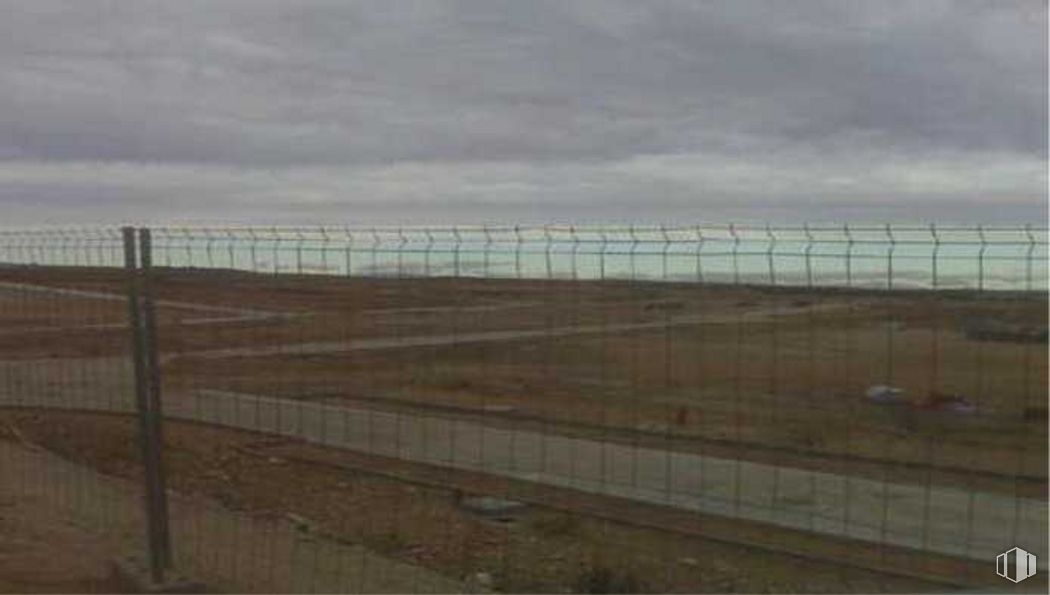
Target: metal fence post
<point>147,399</point>
<point>158,477</point>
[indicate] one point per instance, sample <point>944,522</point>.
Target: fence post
<point>147,398</point>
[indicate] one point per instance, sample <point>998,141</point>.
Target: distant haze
<point>259,111</point>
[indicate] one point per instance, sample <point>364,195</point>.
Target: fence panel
<point>619,408</point>
<point>65,357</point>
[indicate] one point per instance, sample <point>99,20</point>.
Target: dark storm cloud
<point>333,104</point>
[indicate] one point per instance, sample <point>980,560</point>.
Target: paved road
<point>976,525</point>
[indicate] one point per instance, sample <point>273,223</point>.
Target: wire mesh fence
<point>847,408</point>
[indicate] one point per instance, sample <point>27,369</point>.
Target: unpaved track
<point>952,521</point>
<point>501,336</point>
<point>24,288</point>
<point>221,314</point>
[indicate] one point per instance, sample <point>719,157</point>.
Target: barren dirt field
<point>754,370</point>
<point>410,517</point>
<point>41,552</point>
<point>771,375</point>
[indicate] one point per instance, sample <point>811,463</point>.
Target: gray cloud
<point>474,107</point>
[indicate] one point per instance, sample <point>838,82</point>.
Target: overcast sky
<point>522,111</point>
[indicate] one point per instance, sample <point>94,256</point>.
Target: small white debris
<point>882,393</point>
<point>493,508</point>
<point>483,579</point>
<point>950,403</point>
<point>963,407</point>
<point>300,523</point>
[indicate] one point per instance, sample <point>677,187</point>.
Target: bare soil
<point>768,369</point>
<point>538,549</point>
<point>772,374</point>
<point>41,552</point>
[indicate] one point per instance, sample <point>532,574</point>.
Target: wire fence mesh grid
<point>549,408</point>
